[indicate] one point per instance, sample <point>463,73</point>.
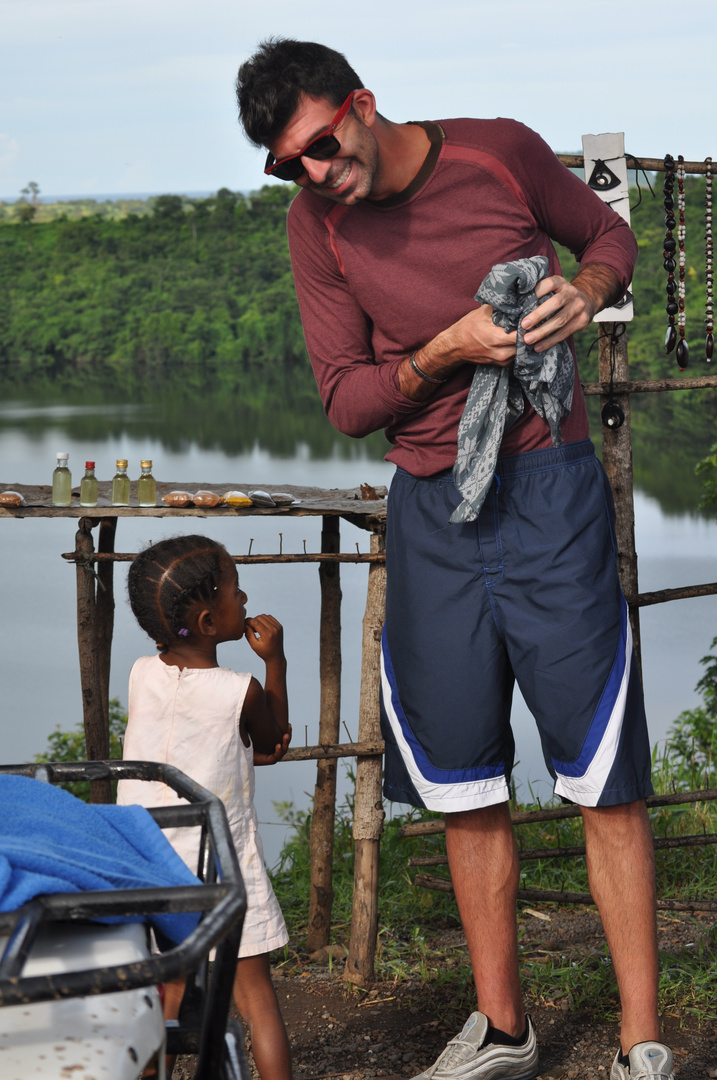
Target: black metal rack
<point>203,1028</point>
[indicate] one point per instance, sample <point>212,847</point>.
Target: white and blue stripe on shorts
<point>529,593</point>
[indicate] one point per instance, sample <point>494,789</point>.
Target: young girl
<point>215,725</point>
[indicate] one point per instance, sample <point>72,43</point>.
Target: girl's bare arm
<point>266,710</point>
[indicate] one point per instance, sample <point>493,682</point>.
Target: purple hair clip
<point>183,632</point>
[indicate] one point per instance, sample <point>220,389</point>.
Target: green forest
<point>207,287</point>
<point>198,293</point>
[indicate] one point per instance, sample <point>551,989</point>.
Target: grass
<point>415,923</point>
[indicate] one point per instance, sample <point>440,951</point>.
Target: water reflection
<point>278,413</point>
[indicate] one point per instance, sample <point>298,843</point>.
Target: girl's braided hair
<point>167,578</point>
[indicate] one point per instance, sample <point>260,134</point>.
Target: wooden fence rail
<point>557,813</point>
<point>650,386</point>
<point>556,896</point>
<point>100,557</point>
<point>576,851</point>
<point>696,168</point>
<point>418,829</point>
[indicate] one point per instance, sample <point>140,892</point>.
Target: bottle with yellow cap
<point>146,485</point>
<point>120,484</point>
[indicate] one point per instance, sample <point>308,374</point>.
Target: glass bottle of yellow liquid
<point>120,484</point>
<point>88,486</point>
<point>62,481</point>
<point>146,485</point>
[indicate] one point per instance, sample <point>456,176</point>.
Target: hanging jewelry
<point>709,280</point>
<point>683,349</point>
<point>670,246</point>
<point>613,415</point>
<point>602,177</point>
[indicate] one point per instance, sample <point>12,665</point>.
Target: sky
<point>136,96</point>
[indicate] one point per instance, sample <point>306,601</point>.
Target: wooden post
<point>96,731</point>
<point>321,893</point>
<point>105,611</point>
<point>368,806</point>
<point>617,459</point>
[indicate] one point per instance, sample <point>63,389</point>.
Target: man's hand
<point>562,314</point>
<point>474,339</point>
<point>572,307</point>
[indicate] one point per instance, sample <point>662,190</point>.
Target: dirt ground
<point>394,1030</point>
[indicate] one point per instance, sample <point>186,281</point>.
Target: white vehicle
<point>80,1000</point>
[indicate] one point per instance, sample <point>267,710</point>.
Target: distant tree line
<point>30,207</point>
<point>205,286</point>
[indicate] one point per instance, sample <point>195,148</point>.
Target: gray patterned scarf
<point>495,399</point>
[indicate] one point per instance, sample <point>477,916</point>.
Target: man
<point>395,227</point>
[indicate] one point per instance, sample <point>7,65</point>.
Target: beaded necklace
<point>683,349</point>
<point>670,247</point>
<point>709,280</point>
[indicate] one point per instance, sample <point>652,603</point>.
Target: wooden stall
<point>95,553</point>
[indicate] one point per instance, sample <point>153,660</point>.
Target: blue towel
<point>51,842</point>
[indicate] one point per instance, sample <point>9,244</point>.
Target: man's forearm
<point>600,284</point>
<point>474,339</point>
<point>435,361</point>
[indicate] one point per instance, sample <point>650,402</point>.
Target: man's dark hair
<point>270,83</point>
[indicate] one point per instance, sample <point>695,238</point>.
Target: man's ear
<point>364,105</point>
<point>205,623</point>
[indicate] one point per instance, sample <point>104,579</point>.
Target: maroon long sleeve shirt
<point>377,280</point>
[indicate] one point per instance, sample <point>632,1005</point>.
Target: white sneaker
<point>470,1057</point>
<point>648,1061</point>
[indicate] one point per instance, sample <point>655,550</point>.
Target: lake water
<point>40,676</point>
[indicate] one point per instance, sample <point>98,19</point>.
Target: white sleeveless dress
<point>190,719</point>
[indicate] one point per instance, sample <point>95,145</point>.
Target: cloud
<point>122,89</point>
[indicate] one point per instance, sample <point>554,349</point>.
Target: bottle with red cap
<point>88,486</point>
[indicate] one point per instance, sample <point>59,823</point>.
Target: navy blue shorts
<point>529,591</point>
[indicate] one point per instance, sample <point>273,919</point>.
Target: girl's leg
<point>256,1000</point>
<point>173,994</point>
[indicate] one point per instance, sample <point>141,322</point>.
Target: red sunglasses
<point>320,148</point>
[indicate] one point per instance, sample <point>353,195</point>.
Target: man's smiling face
<point>348,176</point>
